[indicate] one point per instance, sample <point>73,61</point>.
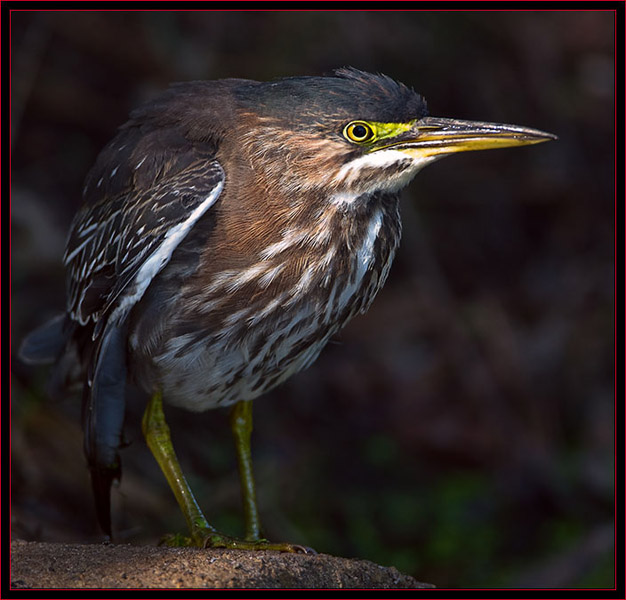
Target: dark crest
<point>346,94</point>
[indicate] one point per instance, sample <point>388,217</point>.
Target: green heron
<point>228,231</point>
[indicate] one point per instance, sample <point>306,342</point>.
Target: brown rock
<point>45,565</point>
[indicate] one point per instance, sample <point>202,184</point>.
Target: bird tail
<point>58,342</point>
<point>51,343</point>
<point>103,416</point>
<point>43,345</point>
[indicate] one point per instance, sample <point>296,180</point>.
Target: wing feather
<point>117,245</point>
<point>113,245</point>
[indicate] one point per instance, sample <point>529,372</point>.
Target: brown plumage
<point>229,230</point>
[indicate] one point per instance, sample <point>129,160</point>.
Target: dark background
<point>463,429</point>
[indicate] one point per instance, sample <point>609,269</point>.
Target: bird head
<point>353,134</point>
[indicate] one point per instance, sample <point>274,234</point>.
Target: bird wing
<point>116,247</point>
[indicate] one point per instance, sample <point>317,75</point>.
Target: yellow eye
<point>358,132</point>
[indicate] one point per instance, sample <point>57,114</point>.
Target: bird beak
<point>432,137</point>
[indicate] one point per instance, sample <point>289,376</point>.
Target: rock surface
<point>45,565</point>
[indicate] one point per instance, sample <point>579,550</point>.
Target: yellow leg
<point>241,425</point>
<point>157,434</point>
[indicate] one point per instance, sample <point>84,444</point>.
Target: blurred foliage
<point>463,429</point>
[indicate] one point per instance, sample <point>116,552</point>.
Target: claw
<point>217,540</point>
<point>211,539</point>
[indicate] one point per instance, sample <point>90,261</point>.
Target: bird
<point>228,231</point>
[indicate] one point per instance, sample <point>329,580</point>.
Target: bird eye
<point>358,131</point>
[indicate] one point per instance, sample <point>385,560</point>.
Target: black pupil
<point>359,131</point>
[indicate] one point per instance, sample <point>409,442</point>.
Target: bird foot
<point>204,538</point>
